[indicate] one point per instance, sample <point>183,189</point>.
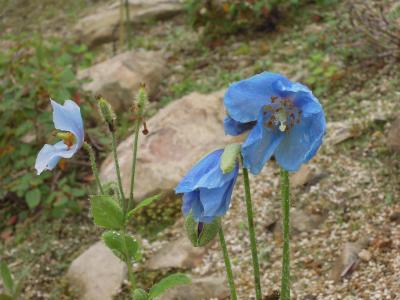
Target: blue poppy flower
<point>206,190</point>
<point>285,120</point>
<point>67,118</point>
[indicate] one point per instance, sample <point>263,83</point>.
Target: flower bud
<point>229,157</point>
<point>107,113</point>
<point>200,234</point>
<point>141,101</point>
<point>140,294</point>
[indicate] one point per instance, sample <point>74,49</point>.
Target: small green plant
<point>33,70</point>
<point>12,288</point>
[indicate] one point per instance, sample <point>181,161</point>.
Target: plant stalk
<point>134,158</point>
<point>285,283</point>
<point>95,171</point>
<point>227,261</point>
<point>117,169</point>
<point>252,235</point>
<point>127,25</point>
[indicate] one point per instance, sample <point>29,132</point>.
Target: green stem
<point>134,158</point>
<point>227,261</point>
<point>285,283</point>
<point>92,158</point>
<point>131,275</point>
<point>253,243</point>
<point>114,149</point>
<point>127,25</point>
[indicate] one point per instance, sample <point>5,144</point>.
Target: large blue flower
<point>285,120</point>
<point>206,190</point>
<point>67,118</point>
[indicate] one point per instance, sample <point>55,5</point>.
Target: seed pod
<point>107,113</point>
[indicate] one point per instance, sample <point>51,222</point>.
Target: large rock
<point>102,26</point>
<point>119,78</point>
<point>97,273</point>
<point>180,134</point>
<point>201,288</point>
<point>177,254</point>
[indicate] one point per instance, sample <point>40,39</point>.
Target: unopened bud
<point>200,234</point>
<point>141,100</point>
<point>107,113</point>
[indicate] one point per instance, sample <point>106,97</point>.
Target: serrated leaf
<point>229,157</point>
<point>106,212</point>
<point>144,203</point>
<point>167,283</point>
<point>32,198</point>
<point>114,241</point>
<point>6,277</point>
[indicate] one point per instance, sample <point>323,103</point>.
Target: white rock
<point>97,273</point>
<point>180,134</point>
<point>118,79</point>
<point>177,254</point>
<point>102,26</point>
<point>211,287</point>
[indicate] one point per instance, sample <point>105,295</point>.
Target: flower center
<point>68,138</point>
<point>281,113</point>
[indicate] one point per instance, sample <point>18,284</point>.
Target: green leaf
<point>125,251</point>
<point>229,157</point>
<point>139,294</point>
<point>5,297</point>
<point>144,203</point>
<point>106,212</point>
<point>6,277</point>
<point>32,198</point>
<point>167,283</point>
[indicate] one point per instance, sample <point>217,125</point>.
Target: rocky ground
<point>346,209</point>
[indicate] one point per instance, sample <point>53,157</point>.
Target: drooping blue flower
<point>66,118</point>
<point>206,190</point>
<point>285,120</point>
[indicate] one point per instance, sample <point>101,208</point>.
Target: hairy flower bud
<point>200,234</point>
<point>107,113</point>
<point>141,101</point>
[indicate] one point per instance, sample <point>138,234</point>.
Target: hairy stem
<point>134,158</point>
<point>252,235</point>
<point>114,149</point>
<point>127,25</point>
<point>285,283</point>
<point>131,275</point>
<point>227,261</point>
<point>92,158</point>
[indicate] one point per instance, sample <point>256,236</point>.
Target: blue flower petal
<point>206,173</point>
<point>301,143</point>
<point>244,99</point>
<point>68,117</point>
<point>216,201</point>
<point>302,96</point>
<point>188,200</point>
<point>233,127</point>
<point>259,146</point>
<point>49,156</point>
